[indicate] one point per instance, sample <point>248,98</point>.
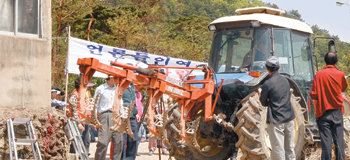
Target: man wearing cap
<point>57,103</point>
<point>104,106</point>
<point>276,96</point>
<point>327,89</point>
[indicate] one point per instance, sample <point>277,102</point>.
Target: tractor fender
<point>346,105</point>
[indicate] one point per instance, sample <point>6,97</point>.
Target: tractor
<point>239,119</point>
<point>214,115</point>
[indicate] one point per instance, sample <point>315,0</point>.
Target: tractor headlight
<point>212,27</point>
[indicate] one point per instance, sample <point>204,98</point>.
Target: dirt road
<point>143,152</point>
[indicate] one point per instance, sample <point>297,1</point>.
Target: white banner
<point>79,48</point>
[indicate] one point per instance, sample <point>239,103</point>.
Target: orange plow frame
<point>157,84</point>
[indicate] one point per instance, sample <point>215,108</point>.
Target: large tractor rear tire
<point>253,138</point>
<point>210,148</point>
<point>346,119</point>
<point>178,151</point>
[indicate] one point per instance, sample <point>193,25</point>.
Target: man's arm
<point>57,103</point>
<point>344,84</point>
<point>134,110</point>
<point>97,91</point>
<point>264,95</point>
<point>313,93</point>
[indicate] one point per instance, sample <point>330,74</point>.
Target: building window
<point>6,15</point>
<point>21,17</point>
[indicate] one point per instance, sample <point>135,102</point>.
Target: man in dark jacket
<point>327,89</point>
<point>130,150</point>
<point>276,96</point>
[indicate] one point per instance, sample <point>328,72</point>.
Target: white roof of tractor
<point>265,15</point>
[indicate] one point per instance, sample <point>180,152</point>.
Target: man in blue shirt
<point>57,103</point>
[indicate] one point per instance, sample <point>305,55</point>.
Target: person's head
<point>53,94</point>
<point>59,93</point>
<point>77,83</point>
<point>110,80</point>
<point>56,93</point>
<point>272,64</point>
<point>331,58</point>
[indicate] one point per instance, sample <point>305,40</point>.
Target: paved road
<point>143,151</point>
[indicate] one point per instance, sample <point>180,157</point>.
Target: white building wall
<point>25,67</point>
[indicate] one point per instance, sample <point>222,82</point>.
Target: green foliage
<point>100,30</point>
<point>290,14</point>
<point>207,8</point>
<point>293,14</point>
<point>189,38</point>
<point>64,13</point>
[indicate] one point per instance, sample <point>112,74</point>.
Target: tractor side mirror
<point>331,46</point>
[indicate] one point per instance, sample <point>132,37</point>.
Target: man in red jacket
<point>326,91</point>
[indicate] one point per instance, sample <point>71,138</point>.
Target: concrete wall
<point>25,67</point>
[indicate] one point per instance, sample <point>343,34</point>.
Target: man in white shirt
<point>104,107</point>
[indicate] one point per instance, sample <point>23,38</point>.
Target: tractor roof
<point>265,15</point>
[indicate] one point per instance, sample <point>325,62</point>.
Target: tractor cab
<point>242,43</point>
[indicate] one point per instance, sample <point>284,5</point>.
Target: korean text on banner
<point>79,48</point>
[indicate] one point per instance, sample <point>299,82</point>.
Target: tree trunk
<point>90,23</point>
<point>59,20</point>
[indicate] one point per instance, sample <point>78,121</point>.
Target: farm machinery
<point>215,114</point>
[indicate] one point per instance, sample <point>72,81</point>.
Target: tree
<point>64,11</point>
<point>293,14</point>
<point>187,38</point>
<point>207,8</point>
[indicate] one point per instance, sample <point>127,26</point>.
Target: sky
<point>325,13</point>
